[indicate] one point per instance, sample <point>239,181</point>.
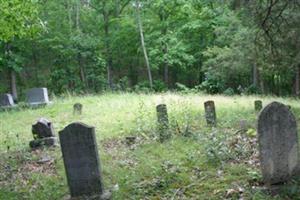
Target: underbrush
<point>198,162</point>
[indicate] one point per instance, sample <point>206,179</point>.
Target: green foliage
<point>19,19</point>
<point>214,45</point>
<point>212,84</point>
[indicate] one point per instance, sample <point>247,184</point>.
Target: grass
<point>212,163</point>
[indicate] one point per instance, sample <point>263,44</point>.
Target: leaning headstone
<point>163,122</point>
<point>37,96</point>
<point>43,134</point>
<point>81,160</point>
<point>258,105</point>
<point>77,108</point>
<point>6,101</point>
<point>210,113</point>
<point>278,143</point>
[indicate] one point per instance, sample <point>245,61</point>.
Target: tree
<point>138,5</point>
<point>18,19</point>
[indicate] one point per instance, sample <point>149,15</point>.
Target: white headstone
<point>6,100</point>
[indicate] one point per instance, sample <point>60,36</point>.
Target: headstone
<point>43,129</point>
<point>37,96</point>
<point>243,124</point>
<point>278,143</point>
<point>210,113</point>
<point>81,160</point>
<point>163,122</point>
<point>258,105</point>
<point>77,108</point>
<point>43,134</point>
<point>6,101</point>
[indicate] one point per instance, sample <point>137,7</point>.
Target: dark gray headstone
<point>163,122</point>
<point>6,100</point>
<point>258,105</point>
<point>37,96</point>
<point>278,143</point>
<point>77,108</point>
<point>81,160</point>
<point>43,129</point>
<point>210,113</point>
<point>43,134</point>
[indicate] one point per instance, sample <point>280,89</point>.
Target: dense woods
<point>87,46</point>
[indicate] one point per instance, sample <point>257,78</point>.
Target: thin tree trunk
<point>165,51</point>
<point>143,43</point>
<point>166,66</point>
<point>13,85</point>
<point>107,46</point>
<point>255,75</point>
<point>297,82</point>
<point>78,15</point>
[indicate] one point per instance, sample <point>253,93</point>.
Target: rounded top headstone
<point>278,143</point>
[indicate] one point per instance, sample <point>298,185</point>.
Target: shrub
<point>228,92</point>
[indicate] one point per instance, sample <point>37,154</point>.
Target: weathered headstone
<point>243,124</point>
<point>210,113</point>
<point>6,101</point>
<point>258,105</point>
<point>163,122</point>
<point>43,129</point>
<point>37,96</point>
<point>77,108</point>
<point>278,143</point>
<point>81,160</point>
<point>43,134</point>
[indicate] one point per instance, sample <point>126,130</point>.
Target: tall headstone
<point>37,96</point>
<point>6,101</point>
<point>210,113</point>
<point>163,122</point>
<point>81,160</point>
<point>258,105</point>
<point>278,143</point>
<point>43,134</point>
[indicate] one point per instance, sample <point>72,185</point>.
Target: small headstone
<point>278,143</point>
<point>163,122</point>
<point>243,125</point>
<point>43,134</point>
<point>42,129</point>
<point>6,101</point>
<point>77,108</point>
<point>210,113</point>
<point>258,105</point>
<point>37,96</point>
<point>130,140</point>
<point>81,160</point>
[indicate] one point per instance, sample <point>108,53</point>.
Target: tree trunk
<point>107,48</point>
<point>81,68</point>
<point>140,26</point>
<point>297,82</point>
<point>166,65</point>
<point>255,75</point>
<point>78,15</point>
<point>164,48</point>
<point>13,85</point>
